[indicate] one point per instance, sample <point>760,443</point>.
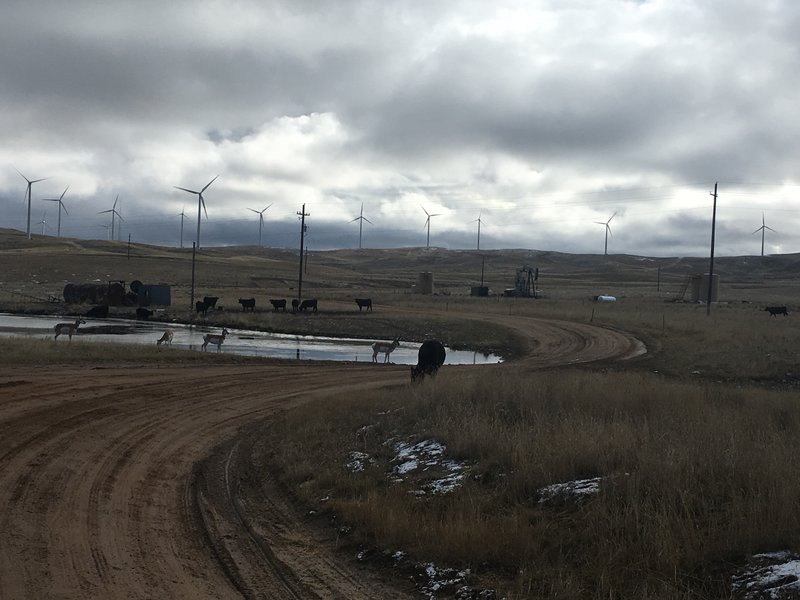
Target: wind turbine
<point>200,203</point>
<point>608,230</point>
<point>60,201</point>
<point>182,216</point>
<point>114,213</point>
<point>478,221</point>
<point>428,224</point>
<point>260,214</point>
<point>43,222</point>
<point>361,218</point>
<point>28,194</point>
<point>763,229</point>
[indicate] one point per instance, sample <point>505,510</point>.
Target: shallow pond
<point>238,341</point>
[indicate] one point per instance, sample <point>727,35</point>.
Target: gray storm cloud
<point>541,116</point>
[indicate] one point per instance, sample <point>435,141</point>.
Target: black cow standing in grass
<point>777,310</point>
<point>430,357</point>
<point>306,304</point>
<point>278,304</point>
<point>202,306</point>
<point>364,303</point>
<point>248,304</point>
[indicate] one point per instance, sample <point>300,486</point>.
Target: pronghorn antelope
<point>385,347</point>
<point>212,338</point>
<point>68,328</point>
<point>166,338</point>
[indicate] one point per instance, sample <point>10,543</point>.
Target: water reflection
<point>239,341</point>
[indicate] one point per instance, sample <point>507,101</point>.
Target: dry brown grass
<point>699,464</point>
<point>695,478</point>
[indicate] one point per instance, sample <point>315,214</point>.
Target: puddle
<point>239,341</point>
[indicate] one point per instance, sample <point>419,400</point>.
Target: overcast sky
<point>540,118</point>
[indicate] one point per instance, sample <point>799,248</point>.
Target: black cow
<point>430,357</point>
<point>295,304</point>
<point>143,313</point>
<point>98,312</point>
<point>205,304</point>
<point>310,303</point>
<point>364,303</point>
<point>248,304</point>
<point>278,304</point>
<point>777,310</point>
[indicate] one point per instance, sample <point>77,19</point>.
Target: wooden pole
<point>711,262</point>
<point>303,216</point>
<point>191,295</point>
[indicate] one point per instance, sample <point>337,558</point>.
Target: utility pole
<point>302,214</point>
<point>191,296</point>
<point>711,264</point>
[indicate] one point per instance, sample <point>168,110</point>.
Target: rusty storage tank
<point>700,285</point>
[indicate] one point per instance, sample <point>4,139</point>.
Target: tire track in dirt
<point>126,482</point>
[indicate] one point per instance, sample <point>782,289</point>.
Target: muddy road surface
<point>121,483</point>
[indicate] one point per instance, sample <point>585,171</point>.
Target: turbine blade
<point>64,207</point>
<point>185,190</point>
<point>368,221</point>
<point>203,202</point>
<point>770,228</point>
<point>425,211</point>
<point>208,184</point>
<point>115,201</point>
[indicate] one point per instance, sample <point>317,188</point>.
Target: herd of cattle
<point>278,304</point>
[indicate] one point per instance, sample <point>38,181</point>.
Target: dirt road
<point>122,482</point>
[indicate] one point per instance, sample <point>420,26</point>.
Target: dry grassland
<point>695,444</point>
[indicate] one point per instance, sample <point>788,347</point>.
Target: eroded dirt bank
<point>122,482</point>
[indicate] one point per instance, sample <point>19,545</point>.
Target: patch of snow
<point>441,579</point>
<point>770,575</point>
<point>358,461</point>
<point>578,489</point>
<point>406,467</point>
<point>426,457</point>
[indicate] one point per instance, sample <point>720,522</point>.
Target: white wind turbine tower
<point>479,221</point>
<point>200,204</point>
<point>260,214</point>
<point>361,218</point>
<point>114,213</point>
<point>43,222</point>
<point>182,216</point>
<point>61,206</point>
<point>608,230</point>
<point>428,224</point>
<point>28,194</point>
<point>763,229</point>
